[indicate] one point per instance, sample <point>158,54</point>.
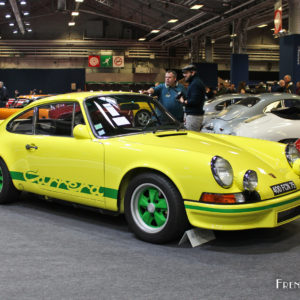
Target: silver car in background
<point>226,121</point>
<point>214,106</point>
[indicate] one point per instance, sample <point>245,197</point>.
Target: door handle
<point>29,147</point>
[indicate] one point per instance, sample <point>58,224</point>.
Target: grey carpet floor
<point>53,251</point>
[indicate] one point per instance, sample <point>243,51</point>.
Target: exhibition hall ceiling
<point>130,20</point>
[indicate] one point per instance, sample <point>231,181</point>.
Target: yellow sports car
<point>87,148</point>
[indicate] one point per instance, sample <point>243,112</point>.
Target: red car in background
<point>23,100</point>
<point>13,105</point>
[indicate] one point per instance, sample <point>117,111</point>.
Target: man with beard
<point>195,99</point>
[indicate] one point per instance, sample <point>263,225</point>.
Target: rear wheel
<point>8,193</point>
<point>154,209</point>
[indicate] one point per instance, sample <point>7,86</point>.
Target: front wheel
<point>8,193</point>
<point>154,209</point>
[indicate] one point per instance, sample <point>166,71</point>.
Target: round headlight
<point>250,180</point>
<point>291,153</point>
<point>222,171</point>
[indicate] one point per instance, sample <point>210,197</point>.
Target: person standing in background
<point>3,94</point>
<point>280,87</point>
<point>289,86</point>
<point>298,88</point>
<point>167,94</point>
<point>195,99</point>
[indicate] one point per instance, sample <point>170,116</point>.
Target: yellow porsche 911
<point>87,148</point>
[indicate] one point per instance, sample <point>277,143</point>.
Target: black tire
<point>142,117</point>
<point>154,209</point>
<point>8,193</point>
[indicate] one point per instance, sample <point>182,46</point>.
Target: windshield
<point>127,113</point>
<point>249,102</point>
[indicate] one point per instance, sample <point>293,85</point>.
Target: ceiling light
<point>173,21</point>
<point>7,16</point>
<point>23,2</point>
<point>262,25</point>
<point>75,13</point>
<point>27,23</point>
<point>79,1</point>
<point>233,35</point>
<point>155,31</point>
<point>29,29</point>
<point>15,31</point>
<point>2,3</point>
<point>142,39</point>
<point>71,24</point>
<point>25,13</point>
<point>11,24</point>
<point>196,6</point>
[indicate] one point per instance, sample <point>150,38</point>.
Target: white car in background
<point>212,107</point>
<point>282,125</point>
<point>228,119</point>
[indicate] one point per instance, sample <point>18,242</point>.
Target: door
<point>54,163</point>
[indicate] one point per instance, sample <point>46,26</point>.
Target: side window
<point>22,124</point>
<point>291,103</point>
<point>222,105</point>
<point>272,106</point>
<point>58,119</point>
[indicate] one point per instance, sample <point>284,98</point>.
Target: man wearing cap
<point>195,99</point>
<point>167,94</point>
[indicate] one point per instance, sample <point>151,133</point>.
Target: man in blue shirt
<point>167,94</point>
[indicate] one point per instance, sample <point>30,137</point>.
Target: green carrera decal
<point>58,183</point>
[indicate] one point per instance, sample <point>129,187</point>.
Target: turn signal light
<point>222,198</point>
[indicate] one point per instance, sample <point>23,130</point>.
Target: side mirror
<point>81,132</point>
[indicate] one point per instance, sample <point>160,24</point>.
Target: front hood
<point>197,142</point>
<point>232,112</point>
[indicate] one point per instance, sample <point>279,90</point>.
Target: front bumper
<point>268,213</point>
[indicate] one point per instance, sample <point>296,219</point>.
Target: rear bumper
<point>269,213</point>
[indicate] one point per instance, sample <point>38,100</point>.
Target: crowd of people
<point>284,85</point>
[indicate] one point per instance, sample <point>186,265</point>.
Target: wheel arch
<point>132,173</point>
<point>288,140</point>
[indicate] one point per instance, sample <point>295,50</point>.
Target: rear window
<point>248,102</point>
<point>226,103</point>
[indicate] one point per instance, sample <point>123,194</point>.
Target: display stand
<point>197,237</point>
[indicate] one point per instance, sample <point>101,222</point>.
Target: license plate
<point>284,187</point>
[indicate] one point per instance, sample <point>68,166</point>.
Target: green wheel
<point>8,193</point>
<point>154,209</point>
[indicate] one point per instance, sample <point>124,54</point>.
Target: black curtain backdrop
<point>50,81</point>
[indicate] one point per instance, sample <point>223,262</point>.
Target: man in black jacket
<point>195,99</point>
<point>3,95</point>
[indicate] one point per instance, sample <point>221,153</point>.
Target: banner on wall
<point>118,61</point>
<point>94,61</point>
<point>278,16</point>
<point>106,61</point>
